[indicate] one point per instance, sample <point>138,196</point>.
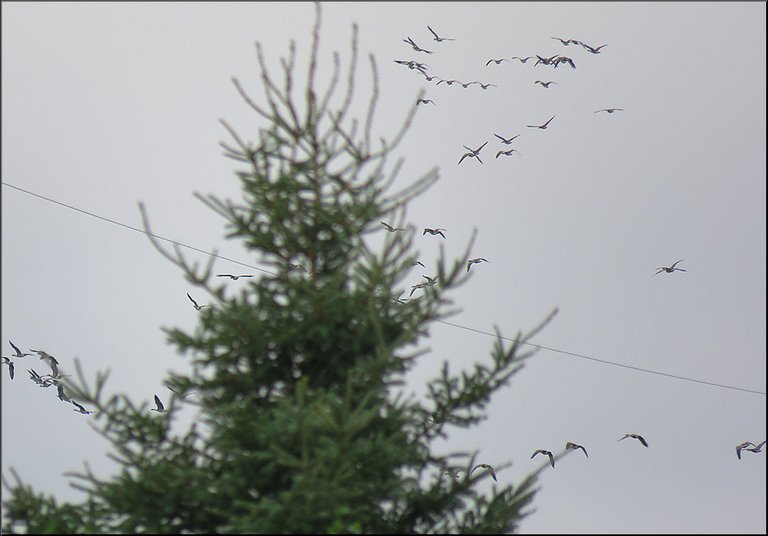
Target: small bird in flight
<point>635,436</point>
<point>197,307</point>
<point>60,393</point>
<point>485,466</point>
<point>567,42</point>
<point>415,46</point>
<point>545,84</point>
<point>548,453</point>
<point>430,280</point>
<point>610,110</point>
<point>508,153</point>
<point>574,446</point>
<point>81,409</point>
<point>391,229</point>
<point>433,232</point>
<point>18,353</point>
<point>417,286</point>
<point>160,408</point>
<point>48,358</point>
<point>542,127</point>
<point>437,38</point>
<point>424,101</point>
<point>233,277</point>
<point>449,82</point>
<point>473,153</point>
<point>476,260</point>
<point>745,446</point>
<point>485,86</point>
<point>7,361</point>
<point>595,50</point>
<point>522,60</point>
<point>669,269</point>
<point>419,263</point>
<point>563,59</point>
<point>498,61</point>
<point>504,140</point>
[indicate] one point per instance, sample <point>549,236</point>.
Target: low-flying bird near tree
<point>234,277</point>
<point>433,231</point>
<point>486,467</point>
<point>548,453</point>
<point>160,408</point>
<point>81,409</point>
<point>391,229</point>
<point>635,436</point>
<point>476,260</point>
<point>669,269</point>
<point>197,307</point>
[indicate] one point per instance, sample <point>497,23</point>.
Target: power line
<point>549,348</point>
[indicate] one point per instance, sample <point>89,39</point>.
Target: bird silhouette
<point>416,47</point>
<point>545,84</point>
<point>438,38</point>
<point>81,409</point>
<point>160,408</point>
<point>610,110</point>
<point>635,436</point>
<point>574,446</point>
<point>476,260</point>
<point>7,361</point>
<point>18,353</point>
<point>510,152</point>
<point>542,127</point>
<point>433,231</point>
<point>487,467</point>
<point>424,101</point>
<point>548,453</point>
<point>504,140</point>
<point>669,269</point>
<point>197,307</point>
<point>522,60</point>
<point>595,50</point>
<point>391,229</point>
<point>498,61</point>
<point>233,277</point>
<point>473,153</point>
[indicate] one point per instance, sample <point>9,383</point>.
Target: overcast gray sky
<point>108,104</point>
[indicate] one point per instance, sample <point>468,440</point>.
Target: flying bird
<point>563,59</point>
<point>417,286</point>
<point>419,263</point>
<point>48,358</point>
<point>508,153</point>
<point>498,61</point>
<point>669,269</point>
<point>433,232</point>
<point>545,61</point>
<point>486,86</point>
<point>745,446</point>
<point>430,280</point>
<point>81,409</point>
<point>522,60</point>
<point>567,42</point>
<point>473,153</point>
<point>160,408</point>
<point>595,50</point>
<point>234,277</point>
<point>545,84</point>
<point>574,446</point>
<point>542,127</point>
<point>18,353</point>
<point>449,82</point>
<point>610,110</point>
<point>391,229</point>
<point>7,361</point>
<point>504,140</point>
<point>542,451</point>
<point>424,101</point>
<point>437,38</point>
<point>485,466</point>
<point>416,47</point>
<point>35,377</point>
<point>758,448</point>
<point>197,307</point>
<point>476,260</point>
<point>60,393</point>
<point>635,436</point>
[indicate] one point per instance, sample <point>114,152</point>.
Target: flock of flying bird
<point>552,61</point>
<point>471,153</point>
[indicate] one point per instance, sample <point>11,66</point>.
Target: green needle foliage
<point>305,424</point>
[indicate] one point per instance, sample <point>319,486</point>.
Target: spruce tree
<point>305,424</point>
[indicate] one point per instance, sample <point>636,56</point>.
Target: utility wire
<point>564,352</point>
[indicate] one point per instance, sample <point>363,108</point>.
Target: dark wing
<point>550,119</point>
<point>82,409</point>
<point>16,348</point>
<point>10,368</point>
<point>190,297</point>
<point>159,404</point>
<point>551,459</point>
<point>671,267</point>
<point>640,438</point>
<point>483,145</point>
<point>433,32</point>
